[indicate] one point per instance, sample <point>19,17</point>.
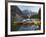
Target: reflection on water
<point>27,28</point>
<point>27,25</point>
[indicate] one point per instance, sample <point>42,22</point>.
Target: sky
<point>30,8</point>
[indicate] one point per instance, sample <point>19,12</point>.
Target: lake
<point>27,28</point>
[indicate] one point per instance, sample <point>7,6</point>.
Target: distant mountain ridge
<point>28,13</point>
